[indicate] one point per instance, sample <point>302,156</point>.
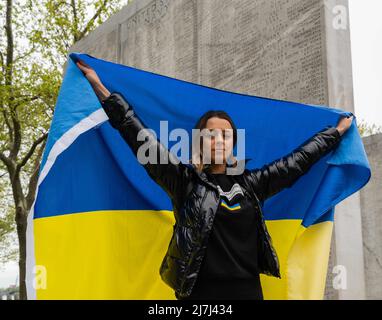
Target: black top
<point>229,266</point>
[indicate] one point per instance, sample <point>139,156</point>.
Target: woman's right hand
<point>94,80</point>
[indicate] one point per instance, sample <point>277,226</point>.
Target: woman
<point>220,243</point>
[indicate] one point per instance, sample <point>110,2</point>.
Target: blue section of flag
<point>76,101</point>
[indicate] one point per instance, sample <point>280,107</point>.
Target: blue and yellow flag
<point>100,227</point>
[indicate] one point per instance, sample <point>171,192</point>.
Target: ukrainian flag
<point>100,227</point>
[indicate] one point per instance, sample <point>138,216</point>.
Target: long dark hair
<point>201,124</point>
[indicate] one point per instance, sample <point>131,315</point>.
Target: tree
<point>366,129</point>
<point>8,251</point>
<point>33,48</point>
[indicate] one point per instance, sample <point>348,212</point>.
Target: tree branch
<point>75,19</point>
<point>8,81</point>
<point>90,22</point>
<point>26,54</point>
<point>31,151</point>
<point>34,178</point>
<point>5,160</point>
<point>16,135</point>
<point>6,119</point>
<point>2,62</point>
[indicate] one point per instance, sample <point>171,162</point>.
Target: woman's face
<point>217,140</point>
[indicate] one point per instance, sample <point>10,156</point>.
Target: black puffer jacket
<point>195,199</point>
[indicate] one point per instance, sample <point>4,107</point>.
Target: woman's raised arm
<point>284,172</point>
<point>166,169</point>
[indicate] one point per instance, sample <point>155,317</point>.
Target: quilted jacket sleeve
<point>165,168</point>
<point>284,172</point>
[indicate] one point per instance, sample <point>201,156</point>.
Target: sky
<point>366,46</point>
<point>8,274</point>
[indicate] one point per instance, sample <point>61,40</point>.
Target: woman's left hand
<point>90,74</point>
<point>344,124</point>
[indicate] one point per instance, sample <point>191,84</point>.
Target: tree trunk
<point>21,233</point>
